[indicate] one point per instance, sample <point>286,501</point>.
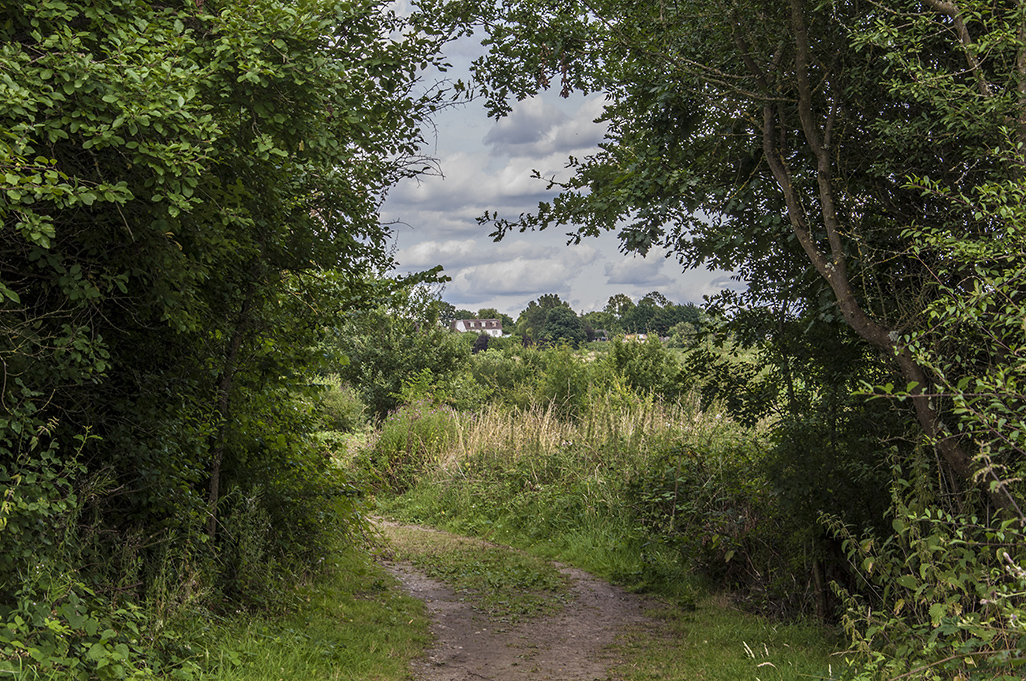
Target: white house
<point>493,327</point>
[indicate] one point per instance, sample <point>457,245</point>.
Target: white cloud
<point>488,166</point>
<point>533,271</point>
<point>530,122</point>
<point>431,253</point>
<point>537,127</point>
<point>637,271</point>
<point>539,137</point>
<point>466,253</point>
<point>693,286</point>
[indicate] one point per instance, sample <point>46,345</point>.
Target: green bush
<point>941,597</point>
<point>52,625</point>
<point>645,367</point>
<point>506,343</point>
<point>499,372</point>
<point>409,440</point>
<point>339,407</point>
<point>710,503</point>
<point>38,511</point>
<point>384,351</point>
<point>564,382</point>
<point>456,389</point>
<point>68,632</point>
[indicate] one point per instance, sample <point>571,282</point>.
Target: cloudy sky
<point>487,166</point>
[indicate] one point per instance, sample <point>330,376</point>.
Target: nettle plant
<point>950,584</point>
<point>947,594</point>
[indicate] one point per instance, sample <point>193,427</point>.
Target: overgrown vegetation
<point>193,332</point>
<point>650,493</point>
<point>351,621</point>
<point>605,461</point>
<point>188,191</point>
<point>659,496</point>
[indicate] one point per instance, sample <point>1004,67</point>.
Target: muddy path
<point>575,644</point>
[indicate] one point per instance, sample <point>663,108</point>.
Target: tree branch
<point>951,10</point>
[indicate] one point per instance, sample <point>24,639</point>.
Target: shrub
<point>646,367</point>
<point>339,407</point>
<point>505,343</point>
<point>564,383</point>
<point>410,439</point>
<point>480,343</point>
<point>508,375</point>
<point>52,624</point>
<point>941,597</point>
<point>68,632</point>
<point>384,351</point>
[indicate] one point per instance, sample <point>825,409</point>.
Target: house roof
<point>476,324</point>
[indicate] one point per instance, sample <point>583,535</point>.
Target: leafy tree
<point>548,301</point>
<point>189,190</point>
<point>492,313</point>
<point>619,305</point>
<point>597,319</point>
<point>640,318</point>
<point>530,324</point>
<point>767,140</point>
<point>481,343</point>
<point>530,321</point>
<point>385,347</point>
<point>971,347</point>
<point>654,313</point>
<point>562,325</point>
<point>446,313</point>
<point>671,315</point>
<point>655,299</point>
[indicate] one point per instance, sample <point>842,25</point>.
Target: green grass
<point>355,623</point>
<point>701,638</point>
<point>505,584</point>
<point>717,642</point>
<point>555,523</point>
<point>636,491</point>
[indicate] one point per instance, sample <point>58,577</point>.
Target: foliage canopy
<point>189,191</point>
<point>776,140</point>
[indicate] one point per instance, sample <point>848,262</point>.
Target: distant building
<point>493,327</point>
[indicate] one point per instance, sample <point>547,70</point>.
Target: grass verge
<point>353,623</point>
<point>717,642</point>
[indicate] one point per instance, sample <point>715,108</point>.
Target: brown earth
<point>576,644</point>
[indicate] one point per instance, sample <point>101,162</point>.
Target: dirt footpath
<point>573,645</point>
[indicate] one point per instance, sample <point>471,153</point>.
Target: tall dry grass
<point>592,490</point>
<point>618,428</point>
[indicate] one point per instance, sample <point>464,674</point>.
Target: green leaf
<point>907,581</point>
<point>5,292</point>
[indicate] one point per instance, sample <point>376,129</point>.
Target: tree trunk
<point>224,392</point>
<point>833,267</point>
